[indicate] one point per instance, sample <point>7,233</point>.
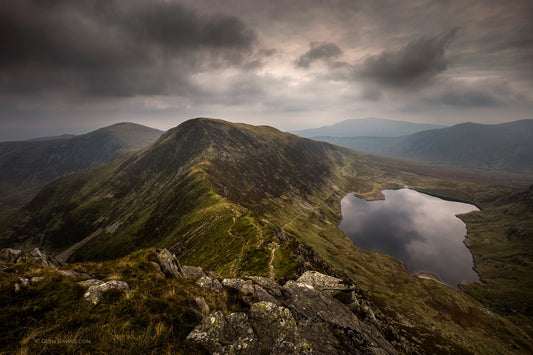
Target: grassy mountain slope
<point>26,166</point>
<point>241,199</point>
<point>505,147</point>
<point>371,127</point>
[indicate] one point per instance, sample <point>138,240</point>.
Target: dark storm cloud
<point>416,63</point>
<point>319,51</point>
<point>113,48</point>
<point>487,93</point>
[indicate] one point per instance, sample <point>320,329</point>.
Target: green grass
<point>53,317</point>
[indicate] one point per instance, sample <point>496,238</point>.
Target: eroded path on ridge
<point>275,247</point>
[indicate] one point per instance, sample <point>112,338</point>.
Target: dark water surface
<point>419,229</point>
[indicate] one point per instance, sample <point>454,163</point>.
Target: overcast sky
<point>73,66</point>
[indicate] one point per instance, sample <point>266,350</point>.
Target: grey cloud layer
<point>319,51</point>
<point>113,48</point>
<point>416,63</point>
<point>334,59</point>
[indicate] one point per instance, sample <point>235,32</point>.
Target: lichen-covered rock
<point>39,256</point>
<point>266,284</point>
<point>332,286</point>
<point>276,330</point>
<point>194,272</point>
<point>210,332</point>
<point>209,283</point>
<point>326,283</point>
<point>168,263</point>
<point>328,324</point>
<point>224,335</point>
<point>90,282</point>
<point>240,285</point>
<point>95,293</point>
<point>10,255</point>
<point>203,307</point>
<point>250,292</point>
<point>240,334</point>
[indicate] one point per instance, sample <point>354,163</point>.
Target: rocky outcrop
<point>168,263</point>
<point>202,306</point>
<point>194,272</point>
<point>97,288</point>
<point>10,255</point>
<point>18,256</point>
<point>209,283</point>
<point>250,292</point>
<point>316,313</point>
<point>277,330</point>
<point>221,334</point>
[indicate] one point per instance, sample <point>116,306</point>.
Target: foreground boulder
<point>302,316</point>
<point>168,263</point>
<point>97,288</point>
<point>10,255</point>
<point>210,283</point>
<point>221,334</point>
<point>250,292</point>
<point>340,289</point>
<point>277,329</point>
<point>19,256</point>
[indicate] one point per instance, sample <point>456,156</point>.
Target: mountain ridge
<point>504,147</point>
<point>26,166</point>
<point>246,200</point>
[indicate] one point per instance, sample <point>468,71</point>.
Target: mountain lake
<point>420,230</point>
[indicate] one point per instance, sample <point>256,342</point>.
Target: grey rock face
<point>277,330</point>
<point>169,263</point>
<point>39,256</point>
<point>266,284</point>
<point>194,272</point>
<point>225,335</point>
<point>18,256</point>
<point>95,293</point>
<point>210,283</point>
<point>203,307</point>
<point>329,324</point>
<point>301,319</point>
<point>250,292</point>
<point>10,255</point>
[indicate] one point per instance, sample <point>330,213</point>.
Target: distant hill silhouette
<point>504,147</point>
<point>26,166</point>
<point>372,127</point>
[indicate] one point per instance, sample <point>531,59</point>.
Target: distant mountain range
<point>26,166</point>
<point>369,127</point>
<point>503,147</point>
